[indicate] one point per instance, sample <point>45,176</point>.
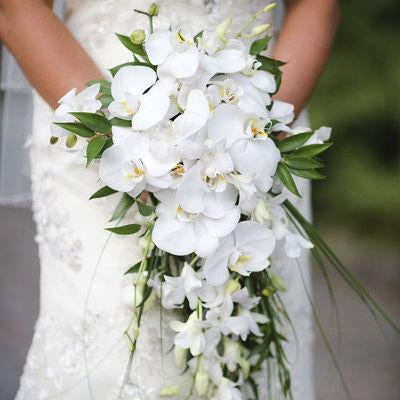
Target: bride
<point>78,350</point>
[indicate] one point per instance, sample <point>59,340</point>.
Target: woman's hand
<point>304,43</point>
<point>51,58</point>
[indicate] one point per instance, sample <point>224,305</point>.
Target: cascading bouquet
<point>189,133</point>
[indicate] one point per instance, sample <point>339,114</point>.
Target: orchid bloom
<point>84,101</point>
<point>137,97</point>
<point>129,165</point>
<point>175,53</point>
<point>253,152</point>
<point>180,232</point>
<point>246,250</point>
<point>190,334</point>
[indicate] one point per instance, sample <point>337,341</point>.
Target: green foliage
<point>77,128</point>
<point>125,230</point>
<point>144,209</point>
<point>94,148</point>
<point>259,45</point>
<point>134,48</point>
<point>105,85</point>
<point>103,192</point>
<point>123,206</point>
<point>94,122</point>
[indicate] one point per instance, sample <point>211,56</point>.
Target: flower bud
<point>153,10</point>
<point>223,28</point>
<point>245,367</point>
<point>53,140</point>
<point>71,140</point>
<point>231,287</point>
<point>170,391</point>
<point>201,382</point>
<point>259,29</point>
<point>268,8</point>
<point>138,36</point>
<point>278,283</point>
<point>180,357</point>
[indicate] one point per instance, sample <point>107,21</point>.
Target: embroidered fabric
<point>78,350</point>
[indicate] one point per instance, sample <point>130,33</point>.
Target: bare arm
<point>305,43</point>
<point>51,58</point>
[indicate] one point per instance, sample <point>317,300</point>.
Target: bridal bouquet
<point>189,133</point>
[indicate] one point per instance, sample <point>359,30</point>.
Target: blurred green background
<point>359,96</point>
<point>357,207</point>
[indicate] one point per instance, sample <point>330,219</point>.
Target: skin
<point>25,25</point>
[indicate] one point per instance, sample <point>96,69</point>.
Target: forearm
<point>305,43</point>
<point>51,58</point>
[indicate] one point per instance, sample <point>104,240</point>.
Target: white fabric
<point>85,299</point>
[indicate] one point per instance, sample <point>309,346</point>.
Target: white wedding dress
<point>78,350</point>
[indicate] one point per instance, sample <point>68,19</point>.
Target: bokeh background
<point>357,209</point>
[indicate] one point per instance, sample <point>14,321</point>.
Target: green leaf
<point>123,123</point>
<point>286,178</point>
<point>259,45</point>
<point>312,150</point>
<point>134,48</point>
<point>134,268</point>
<point>307,174</point>
<point>145,209</point>
<point>103,192</point>
<point>272,66</point>
<point>197,37</point>
<point>95,122</point>
<point>293,142</point>
<point>94,148</point>
<point>115,69</point>
<point>105,85</point>
<point>106,100</point>
<point>123,206</point>
<point>125,230</point>
<point>303,163</point>
<point>77,128</point>
<point>269,64</point>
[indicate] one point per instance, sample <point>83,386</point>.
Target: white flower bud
<point>231,287</point>
<point>153,10</point>
<point>245,367</point>
<point>138,36</point>
<point>223,28</point>
<point>268,8</point>
<point>170,391</point>
<point>180,357</point>
<point>258,30</point>
<point>201,382</point>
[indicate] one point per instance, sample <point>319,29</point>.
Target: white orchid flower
<point>205,188</point>
<point>320,136</point>
<point>180,232</point>
<point>195,115</point>
<point>283,113</point>
<point>269,212</point>
<point>175,53</point>
<point>132,99</point>
<point>253,152</point>
<point>250,322</point>
<point>84,101</point>
<point>229,59</point>
<point>246,250</point>
<point>129,165</point>
<point>190,334</point>
<point>227,390</point>
<point>294,242</point>
<point>189,284</point>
